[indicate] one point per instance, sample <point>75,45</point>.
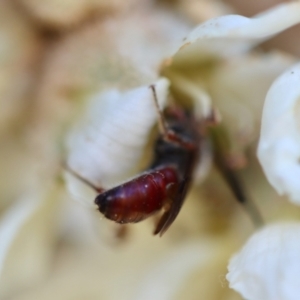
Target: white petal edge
<point>268,266</point>
<point>232,34</point>
<point>279,143</point>
<point>108,143</point>
<point>200,97</point>
<point>13,221</point>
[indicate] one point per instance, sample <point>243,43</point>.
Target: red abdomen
<point>139,198</point>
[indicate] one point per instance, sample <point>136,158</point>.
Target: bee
<point>166,182</point>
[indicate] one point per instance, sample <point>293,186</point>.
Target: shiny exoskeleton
<point>165,183</point>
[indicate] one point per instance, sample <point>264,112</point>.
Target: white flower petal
<point>112,138</point>
<point>11,223</point>
<point>232,34</point>
<point>268,266</point>
<point>279,145</point>
<point>238,88</point>
<point>203,167</point>
<point>26,240</point>
<point>193,90</point>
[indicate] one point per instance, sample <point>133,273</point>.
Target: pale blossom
<point>268,265</point>
<point>112,140</point>
<point>224,44</point>
<point>98,67</point>
<point>279,144</point>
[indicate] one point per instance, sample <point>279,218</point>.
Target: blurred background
<point>54,54</point>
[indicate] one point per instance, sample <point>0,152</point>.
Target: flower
<point>267,267</point>
<point>278,148</point>
<point>91,92</point>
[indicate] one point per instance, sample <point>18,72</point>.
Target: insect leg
<point>236,186</point>
<point>229,172</point>
<point>168,134</point>
<point>172,212</point>
<point>97,189</point>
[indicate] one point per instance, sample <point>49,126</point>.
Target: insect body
<point>139,198</point>
<point>165,183</point>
